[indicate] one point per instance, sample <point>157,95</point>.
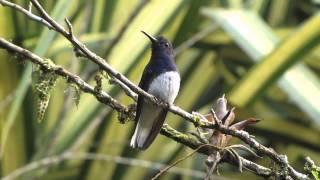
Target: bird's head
<point>160,45</point>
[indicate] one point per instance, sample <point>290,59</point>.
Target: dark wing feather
<point>156,127</point>
<point>145,81</point>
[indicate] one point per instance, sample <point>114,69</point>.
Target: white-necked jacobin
<point>161,79</point>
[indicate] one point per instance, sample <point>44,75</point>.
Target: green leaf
<point>277,59</point>
<point>44,43</point>
<point>9,78</point>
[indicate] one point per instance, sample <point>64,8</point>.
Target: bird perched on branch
<point>161,79</point>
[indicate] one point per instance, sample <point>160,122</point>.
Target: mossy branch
<point>105,98</point>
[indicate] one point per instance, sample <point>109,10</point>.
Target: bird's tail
<point>144,135</point>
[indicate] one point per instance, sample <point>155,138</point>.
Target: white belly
<point>166,86</point>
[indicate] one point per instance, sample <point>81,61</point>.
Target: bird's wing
<point>146,78</point>
<point>156,127</point>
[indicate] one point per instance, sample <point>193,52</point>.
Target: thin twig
<point>280,159</point>
<point>125,88</point>
<point>69,27</point>
<point>243,147</point>
<point>30,7</point>
<point>237,156</point>
<point>255,168</point>
<point>102,96</point>
<point>193,144</point>
<point>26,12</point>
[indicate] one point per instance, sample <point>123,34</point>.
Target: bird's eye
<point>166,44</point>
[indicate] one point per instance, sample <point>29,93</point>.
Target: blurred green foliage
<point>264,54</point>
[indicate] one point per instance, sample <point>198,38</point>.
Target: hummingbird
<point>161,79</point>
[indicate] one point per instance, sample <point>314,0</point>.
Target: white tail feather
<point>139,137</point>
<point>144,125</point>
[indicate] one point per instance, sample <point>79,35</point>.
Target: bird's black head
<point>160,45</point>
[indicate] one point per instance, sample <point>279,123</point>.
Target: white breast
<point>166,86</point>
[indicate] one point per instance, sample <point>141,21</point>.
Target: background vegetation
<point>263,54</point>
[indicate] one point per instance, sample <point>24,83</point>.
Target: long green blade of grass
<point>17,145</point>
<point>259,42</point>
<point>43,44</point>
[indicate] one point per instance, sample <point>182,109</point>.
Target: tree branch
<point>192,143</point>
<point>279,159</point>
<point>103,97</point>
<point>48,65</point>
<point>28,13</point>
<point>112,72</point>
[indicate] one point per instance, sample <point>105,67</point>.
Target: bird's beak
<point>152,39</point>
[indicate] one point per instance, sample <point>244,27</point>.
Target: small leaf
<point>229,117</point>
<point>243,124</point>
<point>209,117</point>
<point>220,108</point>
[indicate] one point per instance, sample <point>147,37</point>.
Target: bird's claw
<point>160,102</point>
